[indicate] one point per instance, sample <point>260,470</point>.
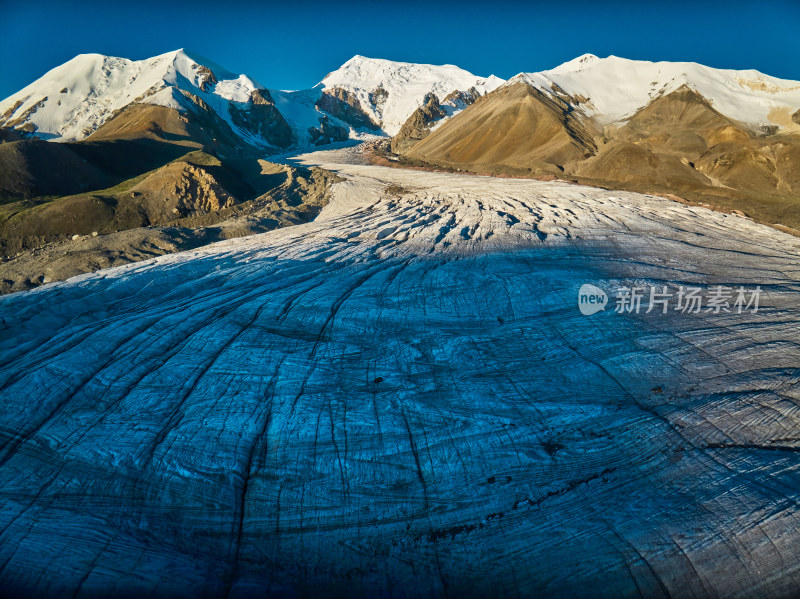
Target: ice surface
<point>402,398</point>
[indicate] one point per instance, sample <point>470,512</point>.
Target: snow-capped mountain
<point>74,99</point>
<point>368,96</point>
<point>365,96</point>
<point>611,89</point>
<point>389,92</point>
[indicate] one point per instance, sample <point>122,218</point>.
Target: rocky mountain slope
<point>402,399</point>
<point>187,204</point>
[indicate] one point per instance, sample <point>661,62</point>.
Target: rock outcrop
<point>328,132</point>
<point>344,105</point>
<point>184,205</point>
<point>418,125</point>
<point>263,119</point>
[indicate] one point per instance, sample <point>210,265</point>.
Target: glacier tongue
<point>403,398</point>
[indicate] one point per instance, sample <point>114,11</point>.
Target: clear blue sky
<point>293,45</point>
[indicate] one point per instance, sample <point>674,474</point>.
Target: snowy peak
<point>612,89</point>
<point>576,64</point>
<point>74,99</point>
<point>389,92</point>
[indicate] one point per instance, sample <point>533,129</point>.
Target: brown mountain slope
<point>633,164</point>
<point>137,121</point>
<point>516,129</point>
<point>677,144</point>
<point>682,122</point>
<point>280,196</point>
<point>658,147</point>
<point>695,151</point>
<point>199,127</point>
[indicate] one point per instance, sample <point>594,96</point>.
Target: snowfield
<point>403,399</point>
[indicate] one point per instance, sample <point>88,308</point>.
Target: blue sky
<point>293,45</point>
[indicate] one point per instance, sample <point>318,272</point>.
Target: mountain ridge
<point>369,96</point>
<point>73,100</point>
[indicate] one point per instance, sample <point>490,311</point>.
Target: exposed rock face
<point>461,98</point>
<point>181,189</point>
<point>405,401</point>
<point>796,117</point>
<point>418,125</point>
<point>20,121</point>
<point>6,115</point>
<point>206,78</point>
<point>344,105</point>
<point>264,119</point>
<point>327,132</point>
<point>378,97</point>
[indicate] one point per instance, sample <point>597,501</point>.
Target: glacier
<point>402,399</point>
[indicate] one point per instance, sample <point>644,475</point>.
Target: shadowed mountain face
<point>678,143</point>
<point>343,105</point>
<point>32,168</point>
